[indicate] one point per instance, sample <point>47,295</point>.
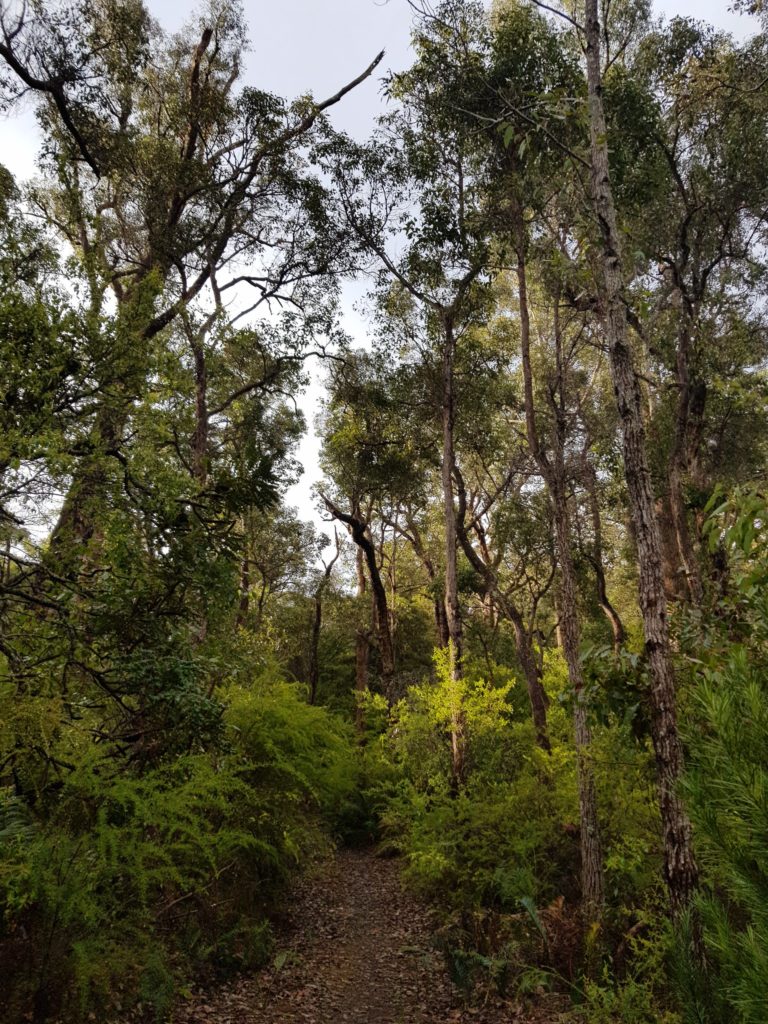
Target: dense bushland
<point>117,885</point>
<point>531,659</point>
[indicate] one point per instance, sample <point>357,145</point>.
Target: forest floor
<point>356,948</point>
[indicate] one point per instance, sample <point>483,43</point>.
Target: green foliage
<point>505,836</point>
<point>629,1002</point>
<point>160,777</point>
<point>501,855</point>
<point>122,883</point>
<point>727,781</point>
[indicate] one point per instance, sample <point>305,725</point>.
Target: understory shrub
<point>726,784</point>
<point>501,855</point>
<point>118,881</point>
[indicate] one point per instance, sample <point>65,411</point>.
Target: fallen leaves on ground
<point>356,949</point>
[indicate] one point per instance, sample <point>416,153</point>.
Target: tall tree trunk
<point>452,609</point>
<point>536,693</point>
<point>362,652</point>
<point>680,870</point>
<point>592,882</point>
<point>77,523</point>
<point>671,569</point>
<point>200,439</point>
<point>553,473</point>
<point>596,556</point>
<point>441,621</point>
<point>314,645</point>
<point>678,466</point>
<point>245,592</point>
<point>200,442</point>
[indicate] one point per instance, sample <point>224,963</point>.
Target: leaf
<point>530,906</point>
<point>281,959</point>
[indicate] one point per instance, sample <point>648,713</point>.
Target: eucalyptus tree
<point>167,181</point>
<point>414,197</point>
<point>504,534</point>
<point>171,421</point>
<point>416,188</point>
<point>375,455</point>
<point>702,230</point>
<point>551,445</point>
<point>554,119</point>
<point>680,868</point>
<point>502,529</point>
<point>495,81</point>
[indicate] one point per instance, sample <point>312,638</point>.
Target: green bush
<point>727,780</point>
<point>119,882</point>
<point>501,855</point>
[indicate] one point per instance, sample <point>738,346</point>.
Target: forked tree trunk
<point>523,640</point>
<point>358,528</point>
<point>553,473</point>
<point>452,609</point>
<point>680,870</point>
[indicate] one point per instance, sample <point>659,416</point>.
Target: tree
<point>167,184</point>
<point>712,191</point>
<point>680,870</point>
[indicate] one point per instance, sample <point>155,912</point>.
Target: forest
<point>503,697</point>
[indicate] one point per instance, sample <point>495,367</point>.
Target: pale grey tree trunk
<point>554,475</point>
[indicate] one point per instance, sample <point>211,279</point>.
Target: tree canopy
<point>521,644</point>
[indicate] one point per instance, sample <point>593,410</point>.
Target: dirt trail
<point>356,949</point>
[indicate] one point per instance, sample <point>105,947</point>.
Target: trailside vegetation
<point>527,654</point>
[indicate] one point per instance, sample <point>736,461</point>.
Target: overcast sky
<point>300,46</point>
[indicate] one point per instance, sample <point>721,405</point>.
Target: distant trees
<point>504,166</point>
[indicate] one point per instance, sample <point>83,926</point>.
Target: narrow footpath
<point>356,949</point>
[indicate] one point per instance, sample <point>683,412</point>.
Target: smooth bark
<point>554,474</point>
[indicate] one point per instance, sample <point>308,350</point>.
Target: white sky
<point>300,46</point>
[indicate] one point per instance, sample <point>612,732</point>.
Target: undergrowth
<point>117,886</point>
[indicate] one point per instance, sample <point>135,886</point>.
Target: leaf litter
<point>355,948</point>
